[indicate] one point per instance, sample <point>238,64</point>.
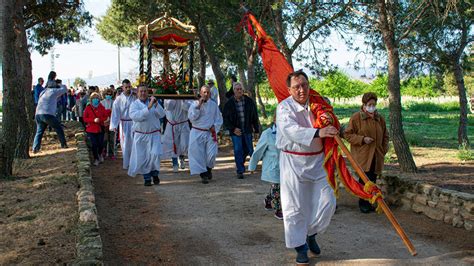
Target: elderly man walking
<point>120,116</point>
<point>146,146</point>
<point>176,136</point>
<point>206,120</point>
<point>307,200</point>
<point>241,119</point>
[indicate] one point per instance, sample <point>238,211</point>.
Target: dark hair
<point>40,79</point>
<point>51,75</point>
<point>112,86</point>
<point>295,74</point>
<point>233,78</point>
<point>126,81</point>
<point>59,81</point>
<point>369,96</point>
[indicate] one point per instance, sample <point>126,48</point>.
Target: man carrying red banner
<point>307,199</point>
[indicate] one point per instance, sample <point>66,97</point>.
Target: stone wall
<point>89,242</point>
<point>451,207</point>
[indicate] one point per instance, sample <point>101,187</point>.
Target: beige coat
<point>360,126</point>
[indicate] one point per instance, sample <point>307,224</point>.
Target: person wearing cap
<point>206,120</point>
<point>120,117</point>
<point>146,147</point>
<point>94,117</point>
<point>214,92</point>
<point>46,109</point>
<point>241,119</point>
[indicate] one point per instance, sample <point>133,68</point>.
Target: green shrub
<point>465,153</point>
<point>431,107</point>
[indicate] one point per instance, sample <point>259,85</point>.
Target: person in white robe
<point>176,136</point>
<point>307,200</point>
<point>146,146</point>
<point>214,92</point>
<point>120,121</point>
<point>206,120</point>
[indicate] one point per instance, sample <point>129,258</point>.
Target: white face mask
<point>370,109</point>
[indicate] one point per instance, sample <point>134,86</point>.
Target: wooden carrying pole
<point>380,201</point>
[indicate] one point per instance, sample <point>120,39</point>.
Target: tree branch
<point>364,15</point>
<point>415,21</point>
<point>314,28</point>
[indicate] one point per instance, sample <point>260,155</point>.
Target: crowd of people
<point>150,130</point>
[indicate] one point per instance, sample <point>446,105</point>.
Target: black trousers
<point>364,205</point>
<point>97,142</point>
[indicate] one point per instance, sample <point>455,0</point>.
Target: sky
<point>96,57</point>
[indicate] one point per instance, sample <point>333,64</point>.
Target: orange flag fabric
<point>277,69</point>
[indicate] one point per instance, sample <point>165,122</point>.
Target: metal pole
<point>118,59</point>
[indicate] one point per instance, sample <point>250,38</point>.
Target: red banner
<point>277,69</point>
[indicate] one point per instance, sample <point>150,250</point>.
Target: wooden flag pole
<point>380,201</point>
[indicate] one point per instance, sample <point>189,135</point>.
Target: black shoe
<point>240,176</point>
<point>147,183</point>
<point>302,254</point>
<point>313,245</point>
<point>365,206</point>
<point>204,178</point>
<point>156,180</point>
<point>64,146</point>
<point>209,173</point>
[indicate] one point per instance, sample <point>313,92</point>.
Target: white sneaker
<point>175,169</point>
<point>182,164</point>
<point>96,162</point>
<point>101,158</point>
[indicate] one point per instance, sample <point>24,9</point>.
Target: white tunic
<point>146,147</point>
<point>215,95</point>
<point>307,200</point>
<point>120,116</point>
<point>202,149</point>
<point>176,136</point>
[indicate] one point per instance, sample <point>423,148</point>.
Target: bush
<point>431,107</point>
<point>465,153</point>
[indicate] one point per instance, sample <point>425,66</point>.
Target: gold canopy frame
<point>167,33</point>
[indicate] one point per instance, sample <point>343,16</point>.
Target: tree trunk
<point>462,129</point>
<point>260,102</point>
<point>213,60</point>
<point>386,26</point>
<point>281,34</point>
<point>251,79</point>
<point>14,38</point>
<point>26,125</point>
<point>202,65</point>
<point>242,77</point>
<point>405,158</point>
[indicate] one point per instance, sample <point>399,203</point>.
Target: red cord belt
<point>172,132</point>
<point>304,153</point>
<point>154,131</point>
<point>213,132</point>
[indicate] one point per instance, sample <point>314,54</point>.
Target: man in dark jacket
<point>241,119</point>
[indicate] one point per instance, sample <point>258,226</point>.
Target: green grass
<point>425,124</point>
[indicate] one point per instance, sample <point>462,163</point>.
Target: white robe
<point>202,149</point>
<point>307,200</point>
<point>177,130</point>
<point>146,147</point>
<point>120,117</point>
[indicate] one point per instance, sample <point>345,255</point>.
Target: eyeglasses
<point>302,86</point>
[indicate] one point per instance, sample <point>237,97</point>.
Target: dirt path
<point>182,221</point>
